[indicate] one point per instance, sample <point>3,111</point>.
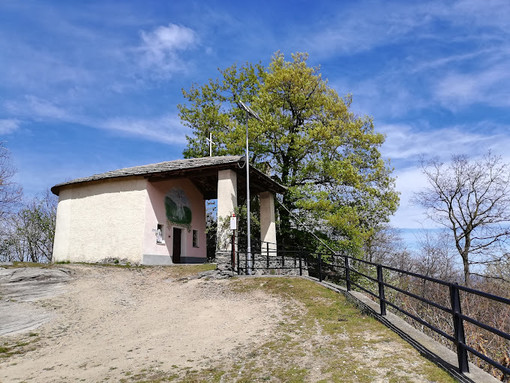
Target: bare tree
<point>10,192</point>
<point>501,271</point>
<point>471,199</point>
<point>435,258</point>
<point>29,233</point>
<point>387,247</point>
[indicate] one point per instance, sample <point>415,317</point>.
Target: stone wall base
<point>277,265</point>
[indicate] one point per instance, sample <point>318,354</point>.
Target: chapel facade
<point>155,214</point>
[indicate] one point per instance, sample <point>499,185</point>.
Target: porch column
<point>267,220</point>
<point>227,202</point>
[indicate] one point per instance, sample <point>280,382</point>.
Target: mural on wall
<point>178,208</point>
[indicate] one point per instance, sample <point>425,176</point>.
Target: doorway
<point>177,245</point>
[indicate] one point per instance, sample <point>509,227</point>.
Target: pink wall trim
<point>156,213</point>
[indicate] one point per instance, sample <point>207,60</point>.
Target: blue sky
<point>92,86</point>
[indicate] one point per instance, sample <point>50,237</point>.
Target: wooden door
<point>177,245</point>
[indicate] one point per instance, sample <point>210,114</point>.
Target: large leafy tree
<point>308,139</point>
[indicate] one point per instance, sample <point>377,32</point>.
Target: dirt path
<point>109,322</point>
<point>112,324</point>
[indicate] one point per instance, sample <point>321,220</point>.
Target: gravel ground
<point>93,323</point>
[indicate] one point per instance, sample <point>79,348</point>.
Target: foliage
<point>472,200</point>
<point>325,155</point>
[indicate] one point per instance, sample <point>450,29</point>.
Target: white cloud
<point>166,129</point>
<point>407,145</point>
<point>494,13</point>
<point>160,48</point>
<point>408,215</point>
<point>366,25</point>
<point>434,64</point>
<point>387,94</point>
<point>8,126</point>
<point>38,108</point>
<point>47,109</point>
<point>404,142</point>
<point>369,24</point>
<point>489,87</point>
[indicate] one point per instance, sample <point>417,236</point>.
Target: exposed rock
<point>210,274</point>
<point>115,261</point>
<point>34,274</point>
<point>18,287</point>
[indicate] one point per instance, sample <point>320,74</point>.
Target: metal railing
<point>266,257</point>
<point>354,275</point>
<point>362,275</point>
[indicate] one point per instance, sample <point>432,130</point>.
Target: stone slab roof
<point>177,167</point>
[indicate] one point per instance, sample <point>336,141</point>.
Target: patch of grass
<point>150,376</point>
<point>4,349</point>
<point>181,271</point>
<point>116,264</point>
<point>18,347</point>
<point>321,338</point>
<point>17,264</point>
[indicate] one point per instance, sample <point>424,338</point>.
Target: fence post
<point>300,264</point>
<point>233,258</point>
<point>347,273</point>
<point>380,282</point>
<point>458,326</point>
<point>319,262</point>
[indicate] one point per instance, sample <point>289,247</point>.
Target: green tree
<point>325,155</point>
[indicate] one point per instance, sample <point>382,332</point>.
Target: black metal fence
<point>434,305</point>
<point>265,257</point>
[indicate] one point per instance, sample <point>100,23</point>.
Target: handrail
<point>436,305</point>
<point>455,311</point>
<point>329,264</point>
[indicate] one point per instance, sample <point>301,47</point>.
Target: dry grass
<point>322,339</point>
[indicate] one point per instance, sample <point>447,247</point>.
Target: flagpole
<point>249,113</point>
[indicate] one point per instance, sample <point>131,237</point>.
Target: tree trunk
<point>467,274</point>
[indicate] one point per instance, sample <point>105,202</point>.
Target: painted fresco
<point>178,208</point>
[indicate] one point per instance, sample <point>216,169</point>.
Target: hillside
<point>104,323</point>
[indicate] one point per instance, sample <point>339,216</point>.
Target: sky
<point>92,86</point>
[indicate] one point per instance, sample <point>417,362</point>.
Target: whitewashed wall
<point>101,220</point>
